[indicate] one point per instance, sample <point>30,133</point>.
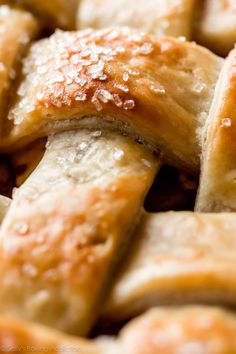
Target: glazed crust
<point>171,17</point>
<point>67,226</point>
<point>176,257</point>
<point>217,183</point>
<point>111,74</point>
<point>216,25</point>
<point>181,330</point>
<point>17,29</point>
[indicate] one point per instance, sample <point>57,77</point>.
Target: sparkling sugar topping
<point>71,68</point>
<point>226,123</point>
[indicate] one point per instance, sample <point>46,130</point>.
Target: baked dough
<point>216,25</point>
<point>4,205</point>
<point>68,224</point>
<point>27,338</point>
<point>53,13</point>
<point>17,28</point>
<point>169,17</point>
<point>161,330</point>
<point>158,89</point>
<point>176,257</point>
<point>185,330</point>
<point>217,191</point>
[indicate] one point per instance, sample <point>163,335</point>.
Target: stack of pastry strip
<point>75,244</point>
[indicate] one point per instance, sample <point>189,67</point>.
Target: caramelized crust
<point>216,27</point>
<point>160,90</point>
<point>181,330</point>
<point>217,190</point>
<point>17,28</point>
<point>169,17</point>
<point>53,13</point>
<point>176,258</point>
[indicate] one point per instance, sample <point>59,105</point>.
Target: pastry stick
<point>27,338</point>
<point>168,17</point>
<point>158,89</point>
<point>68,224</point>
<point>192,329</point>
<point>17,29</point>
<point>216,25</point>
<point>176,258</point>
<point>180,330</point>
<point>217,191</point>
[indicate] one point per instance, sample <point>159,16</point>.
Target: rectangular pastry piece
<point>159,89</point>
<point>176,257</point>
<point>168,17</point>
<point>217,191</point>
<point>17,28</point>
<point>189,330</point>
<point>216,25</point>
<point>186,330</point>
<point>68,225</point>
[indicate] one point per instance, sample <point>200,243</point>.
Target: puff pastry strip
<point>217,191</point>
<point>181,330</point>
<point>169,17</point>
<point>160,330</point>
<point>27,338</point>
<point>53,13</point>
<point>67,225</point>
<point>176,257</point>
<point>160,89</point>
<point>216,25</point>
<point>17,29</point>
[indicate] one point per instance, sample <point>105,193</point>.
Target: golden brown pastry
<point>217,191</point>
<point>169,17</point>
<point>189,330</point>
<point>17,28</point>
<point>27,338</point>
<point>176,257</point>
<point>4,205</point>
<point>158,89</point>
<point>68,224</point>
<point>216,25</point>
<point>53,13</point>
